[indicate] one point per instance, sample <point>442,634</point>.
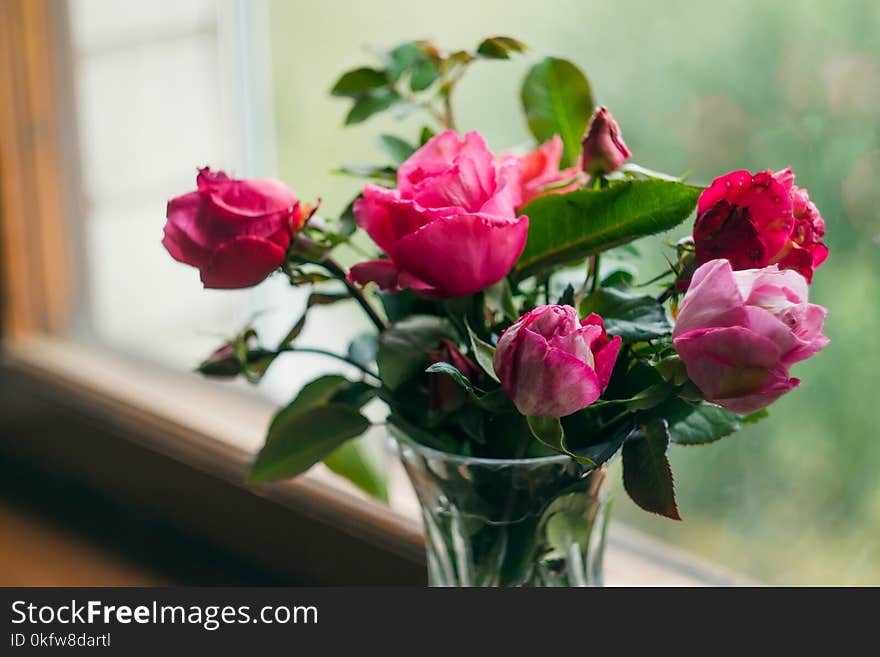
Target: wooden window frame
<point>102,422</point>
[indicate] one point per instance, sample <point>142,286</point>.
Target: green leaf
<point>618,268</point>
<point>403,347</point>
<point>701,423</point>
<point>484,353</point>
<point>565,228</point>
<point>454,372</point>
<point>695,424</point>
<point>424,74</point>
<point>314,393</point>
<point>371,103</point>
<point>647,477</point>
<point>359,80</point>
<point>355,394</point>
<point>354,461</point>
<point>500,47</point>
<point>379,173</point>
<point>633,318</point>
<point>673,370</point>
<point>549,432</point>
<point>299,440</point>
<point>602,451</point>
<point>321,418</point>
<point>557,99</point>
<point>399,149</point>
<point>425,135</point>
<point>402,58</point>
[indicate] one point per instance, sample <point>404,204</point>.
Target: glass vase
<point>525,522</point>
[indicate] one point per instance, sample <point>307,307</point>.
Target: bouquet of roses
<point>510,324</point>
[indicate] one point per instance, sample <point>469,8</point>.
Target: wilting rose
<point>236,232</point>
<point>738,332</point>
<point>450,228</point>
<point>551,364</point>
<point>541,173</point>
<point>444,393</point>
<point>759,220</point>
<point>603,147</point>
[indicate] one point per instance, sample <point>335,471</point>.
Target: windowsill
<point>215,429</point>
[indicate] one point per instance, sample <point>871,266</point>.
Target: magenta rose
<point>552,364</point>
<point>603,148</point>
<point>541,173</point>
<point>759,220</point>
<point>738,332</point>
<point>450,228</point>
<point>236,232</point>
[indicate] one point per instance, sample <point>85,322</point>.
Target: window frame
<point>105,427</point>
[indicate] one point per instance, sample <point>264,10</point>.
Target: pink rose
<point>236,232</point>
<point>760,220</point>
<point>551,364</point>
<point>541,173</point>
<point>603,148</point>
<point>450,228</point>
<point>738,332</point>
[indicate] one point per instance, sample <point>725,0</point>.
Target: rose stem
<point>339,273</point>
<point>324,352</point>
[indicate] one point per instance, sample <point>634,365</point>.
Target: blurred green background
<point>701,87</point>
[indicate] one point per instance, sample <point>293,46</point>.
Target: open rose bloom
<point>739,332</point>
<point>450,227</point>
<point>759,220</point>
<point>236,232</point>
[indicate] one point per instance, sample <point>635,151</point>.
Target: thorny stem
<point>338,272</point>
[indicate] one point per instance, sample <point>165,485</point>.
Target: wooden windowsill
<point>213,430</point>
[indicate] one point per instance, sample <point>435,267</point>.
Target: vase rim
<point>400,436</point>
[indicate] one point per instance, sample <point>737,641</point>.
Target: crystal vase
<point>525,522</point>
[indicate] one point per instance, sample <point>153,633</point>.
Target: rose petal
<point>242,262</point>
<point>550,382</point>
<point>251,198</point>
<point>462,255</point>
<point>727,362</point>
<point>712,300</point>
<point>182,217</point>
<point>382,272</point>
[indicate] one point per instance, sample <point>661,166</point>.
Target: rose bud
<point>551,364</point>
<point>603,147</point>
<point>738,332</point>
<point>445,394</point>
<point>225,362</point>
<point>759,220</point>
<point>236,232</point>
<point>541,173</point>
<point>450,228</point>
